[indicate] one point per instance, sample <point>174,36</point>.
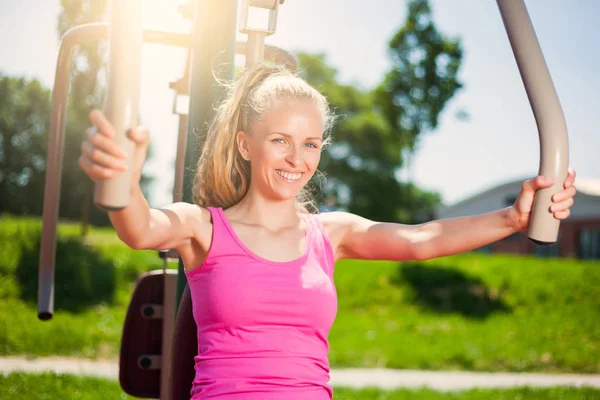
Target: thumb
<point>140,136</point>
<point>539,182</point>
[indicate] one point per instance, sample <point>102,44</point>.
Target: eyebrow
<point>289,136</point>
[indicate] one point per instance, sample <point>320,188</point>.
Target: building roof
<point>584,185</point>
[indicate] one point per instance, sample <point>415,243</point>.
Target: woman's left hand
<point>561,201</point>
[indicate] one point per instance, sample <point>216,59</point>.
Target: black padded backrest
<point>185,348</point>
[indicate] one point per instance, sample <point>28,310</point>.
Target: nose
<point>294,156</point>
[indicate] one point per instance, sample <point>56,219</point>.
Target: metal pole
<point>212,57</point>
<point>56,140</point>
<point>552,127</point>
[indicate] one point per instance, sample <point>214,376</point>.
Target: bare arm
<point>369,240</point>
<point>142,227</point>
<point>138,225</point>
<point>363,239</point>
<point>451,236</point>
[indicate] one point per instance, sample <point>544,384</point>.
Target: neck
<point>258,210</point>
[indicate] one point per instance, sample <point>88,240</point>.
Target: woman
<point>259,264</point>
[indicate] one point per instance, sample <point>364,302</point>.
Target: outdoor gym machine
<point>212,48</point>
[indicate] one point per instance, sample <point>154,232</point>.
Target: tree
<point>379,130</point>
<point>24,119</point>
<point>423,77</point>
<point>360,164</point>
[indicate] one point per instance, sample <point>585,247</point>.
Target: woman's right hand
<point>101,158</point>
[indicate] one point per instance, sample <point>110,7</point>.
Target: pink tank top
<point>263,325</point>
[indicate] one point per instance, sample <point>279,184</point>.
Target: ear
<point>243,144</point>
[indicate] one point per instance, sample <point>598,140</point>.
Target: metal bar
<point>168,329</point>
<point>552,127</point>
<point>212,58</point>
<point>270,4</point>
<point>273,53</point>
<point>56,139</point>
<point>180,159</point>
<point>255,48</point>
<point>167,38</point>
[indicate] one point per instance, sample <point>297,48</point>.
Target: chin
<point>285,195</point>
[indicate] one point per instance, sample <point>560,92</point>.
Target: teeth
<point>287,175</point>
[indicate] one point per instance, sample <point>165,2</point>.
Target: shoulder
<point>340,220</point>
<point>337,224</point>
<point>197,219</point>
<point>188,212</point>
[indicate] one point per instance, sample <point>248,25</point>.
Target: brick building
<point>579,235</point>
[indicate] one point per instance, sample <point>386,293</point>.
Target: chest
<point>282,246</point>
<point>244,292</point>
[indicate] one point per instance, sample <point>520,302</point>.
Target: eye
<point>313,145</point>
<point>278,140</point>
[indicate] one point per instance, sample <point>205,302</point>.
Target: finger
<point>96,171</point>
<point>139,135</point>
<point>563,205</point>
<point>564,194</point>
<point>562,214</point>
<point>98,156</point>
<point>102,124</point>
<point>107,145</point>
<point>537,183</point>
<point>570,178</point>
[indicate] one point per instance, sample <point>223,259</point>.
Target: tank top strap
<point>319,240</point>
<point>222,243</point>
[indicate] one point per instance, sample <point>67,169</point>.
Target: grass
<point>471,311</point>
<point>94,282</point>
<point>474,312</point>
<point>50,386</point>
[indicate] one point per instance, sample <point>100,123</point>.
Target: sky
<point>498,143</point>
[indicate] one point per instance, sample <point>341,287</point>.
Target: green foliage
<point>377,128</point>
<point>84,277</point>
<point>94,280</point>
<point>24,120</point>
<point>360,164</point>
<point>43,386</point>
<point>423,78</point>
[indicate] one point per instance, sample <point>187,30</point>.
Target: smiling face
<point>284,148</point>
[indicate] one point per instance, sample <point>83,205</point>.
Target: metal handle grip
<point>552,127</point>
<point>121,103</point>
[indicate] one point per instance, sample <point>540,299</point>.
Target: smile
<point>289,176</point>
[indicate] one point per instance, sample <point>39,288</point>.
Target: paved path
<point>356,378</point>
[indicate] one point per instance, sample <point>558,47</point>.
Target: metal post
<point>212,56</point>
<point>255,48</point>
<point>56,141</point>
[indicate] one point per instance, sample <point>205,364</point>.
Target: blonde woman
<point>259,263</point>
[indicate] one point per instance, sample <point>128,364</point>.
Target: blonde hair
<point>223,176</point>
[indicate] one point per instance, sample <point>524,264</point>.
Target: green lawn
<point>49,386</point>
<point>471,311</point>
